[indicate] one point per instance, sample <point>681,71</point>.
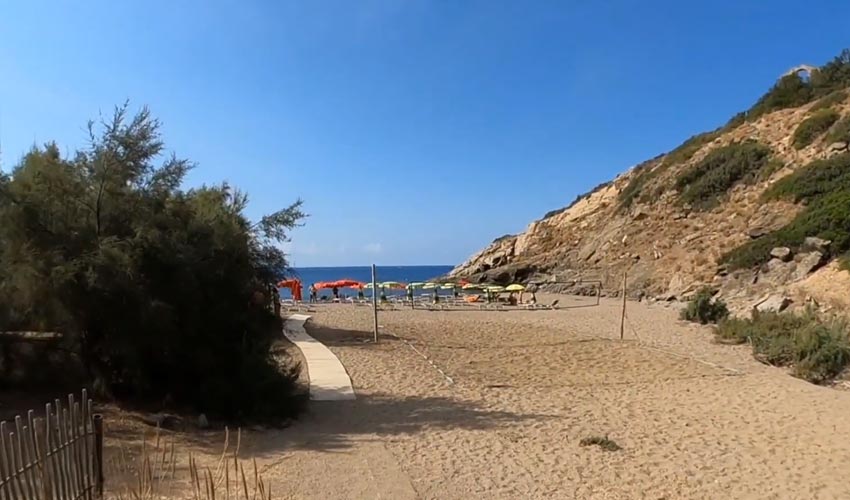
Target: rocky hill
<point>757,208</point>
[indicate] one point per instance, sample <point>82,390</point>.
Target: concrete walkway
<point>328,379</point>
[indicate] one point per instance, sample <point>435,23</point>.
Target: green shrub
<point>703,309</point>
<point>600,441</point>
<point>690,147</point>
<point>643,175</point>
<point>815,180</point>
<point>722,168</point>
<point>840,131</point>
<point>816,350</point>
<point>830,100</point>
<point>824,186</point>
<point>813,127</point>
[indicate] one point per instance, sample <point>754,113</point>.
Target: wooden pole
<point>375,299</point>
<point>623,316</point>
<point>97,420</point>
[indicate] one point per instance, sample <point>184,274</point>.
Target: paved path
<point>328,379</point>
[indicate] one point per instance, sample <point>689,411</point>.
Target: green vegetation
<point>689,148</point>
<point>813,127</point>
<point>830,100</point>
<point>816,350</point>
<point>704,309</point>
<point>824,187</point>
<point>643,175</point>
<point>600,441</point>
<point>161,293</point>
<point>704,183</point>
<point>840,131</point>
<point>792,91</point>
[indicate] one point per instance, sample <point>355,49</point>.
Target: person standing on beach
<point>336,293</point>
<point>313,293</point>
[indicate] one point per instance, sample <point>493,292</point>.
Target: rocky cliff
<point>672,221</point>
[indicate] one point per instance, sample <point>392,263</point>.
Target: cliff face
<point>669,246</point>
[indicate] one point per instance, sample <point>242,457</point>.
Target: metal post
<point>375,299</point>
<point>97,420</point>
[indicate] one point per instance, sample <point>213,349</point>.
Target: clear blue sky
<point>415,131</point>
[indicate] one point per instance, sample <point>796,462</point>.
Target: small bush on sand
<point>704,309</point>
<point>600,441</point>
<point>817,350</point>
<point>813,127</point>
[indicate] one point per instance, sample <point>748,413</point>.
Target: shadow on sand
<point>334,425</point>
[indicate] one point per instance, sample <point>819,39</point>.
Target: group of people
<point>314,293</point>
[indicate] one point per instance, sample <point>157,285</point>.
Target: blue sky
<point>415,131</point>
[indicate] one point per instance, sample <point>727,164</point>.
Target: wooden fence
<point>57,456</point>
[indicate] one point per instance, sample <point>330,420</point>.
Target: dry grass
<point>157,473</point>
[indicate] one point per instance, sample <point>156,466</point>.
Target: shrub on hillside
<point>824,186</point>
<point>722,168</point>
<point>643,175</point>
<point>704,309</point>
<point>830,100</point>
<point>816,350</point>
<point>840,131</point>
<point>161,292</point>
<point>813,127</point>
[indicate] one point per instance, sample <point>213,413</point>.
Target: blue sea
<point>404,274</point>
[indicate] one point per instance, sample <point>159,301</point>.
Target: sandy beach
<point>493,404</point>
<point>695,419</point>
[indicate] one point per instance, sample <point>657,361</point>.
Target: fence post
<point>375,299</point>
<point>623,316</point>
<point>97,420</point>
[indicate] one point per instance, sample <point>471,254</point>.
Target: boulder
<point>837,146</point>
<point>782,253</point>
<point>816,243</point>
<point>774,303</point>
<point>808,262</point>
<point>203,423</point>
<point>757,232</point>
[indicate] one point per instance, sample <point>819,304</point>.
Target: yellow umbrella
<point>514,288</point>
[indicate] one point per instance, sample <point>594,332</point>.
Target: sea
<point>404,274</point>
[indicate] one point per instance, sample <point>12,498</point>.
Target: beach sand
<point>493,404</point>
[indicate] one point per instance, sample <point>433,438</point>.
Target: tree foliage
<point>158,289</point>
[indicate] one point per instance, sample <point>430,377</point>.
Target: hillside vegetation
<point>722,201</point>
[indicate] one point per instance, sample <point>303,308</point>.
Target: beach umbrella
<point>448,286</point>
<point>514,288</point>
<point>496,288</point>
<point>473,286</point>
<point>345,283</point>
<point>415,285</point>
<point>391,284</point>
<point>369,285</point>
<point>430,286</point>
